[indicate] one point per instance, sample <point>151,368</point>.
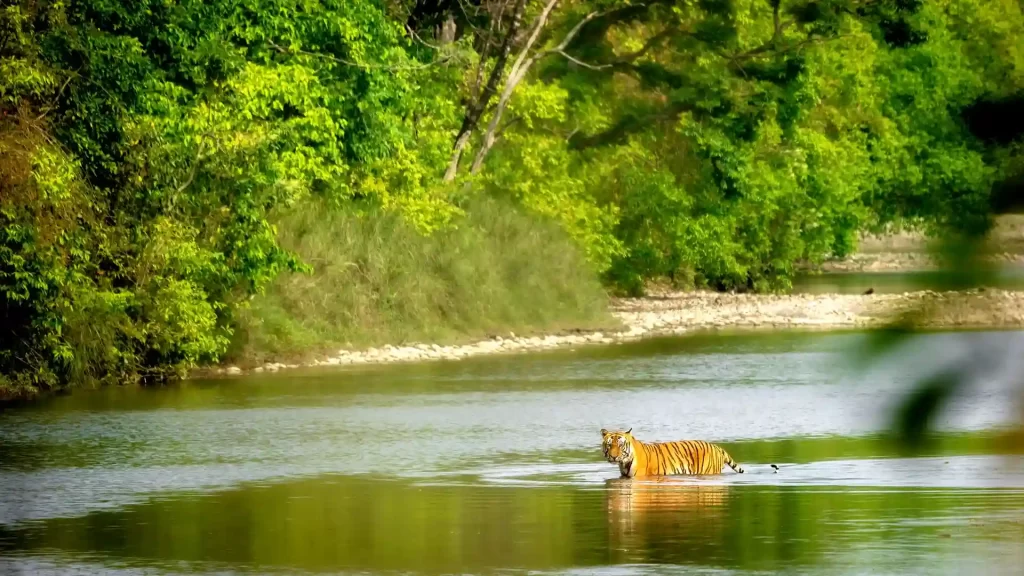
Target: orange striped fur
<point>637,459</point>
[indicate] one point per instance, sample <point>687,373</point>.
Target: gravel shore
<point>667,312</point>
<point>681,312</point>
<point>909,251</point>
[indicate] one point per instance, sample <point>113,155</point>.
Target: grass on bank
<point>377,281</point>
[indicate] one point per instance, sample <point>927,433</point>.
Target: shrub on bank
<point>376,280</point>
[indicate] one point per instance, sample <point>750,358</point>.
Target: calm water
<point>494,466</point>
<point>1007,277</point>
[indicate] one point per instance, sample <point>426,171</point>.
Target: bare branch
<point>462,7</point>
<point>485,51</point>
<point>650,44</point>
<point>516,75</point>
<point>476,108</point>
<point>584,64</point>
<point>572,33</point>
<point>416,37</point>
<point>53,101</point>
<point>194,170</point>
<point>538,25</point>
<point>519,70</point>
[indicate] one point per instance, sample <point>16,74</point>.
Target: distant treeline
<point>149,149</point>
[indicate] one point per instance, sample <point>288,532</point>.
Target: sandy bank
<point>909,251</point>
<point>906,262</point>
<point>681,312</point>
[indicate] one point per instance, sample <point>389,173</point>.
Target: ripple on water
<point>966,472</point>
<point>114,447</point>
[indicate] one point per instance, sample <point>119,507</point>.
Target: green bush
<point>377,280</point>
<point>143,146</point>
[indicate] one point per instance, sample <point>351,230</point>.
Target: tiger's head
<point>617,445</point>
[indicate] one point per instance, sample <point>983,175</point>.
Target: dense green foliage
<point>146,147</point>
<point>722,143</point>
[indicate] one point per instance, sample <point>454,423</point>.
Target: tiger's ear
<point>629,431</point>
<point>604,432</point>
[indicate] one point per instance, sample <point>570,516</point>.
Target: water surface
<point>493,465</point>
<point>1007,277</point>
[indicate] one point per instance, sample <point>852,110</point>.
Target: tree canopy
<point>145,147</point>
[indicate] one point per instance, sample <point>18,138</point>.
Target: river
<point>1007,277</point>
<point>493,465</point>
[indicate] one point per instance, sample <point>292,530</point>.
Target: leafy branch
<point>360,65</point>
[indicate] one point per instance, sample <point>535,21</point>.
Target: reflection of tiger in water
<point>667,519</point>
<point>663,494</point>
<point>637,459</point>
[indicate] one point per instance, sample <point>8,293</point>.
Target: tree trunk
<point>519,69</point>
<point>476,108</point>
<point>518,72</point>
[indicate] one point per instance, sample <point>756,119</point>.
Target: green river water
<point>1008,277</point>
<point>493,465</point>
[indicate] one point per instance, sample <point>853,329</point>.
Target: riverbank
<point>668,313</point>
<point>661,312</point>
<point>909,261</point>
<point>909,251</point>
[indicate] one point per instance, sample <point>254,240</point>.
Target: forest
<point>171,171</point>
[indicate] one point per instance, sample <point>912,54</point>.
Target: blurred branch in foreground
<point>964,255</point>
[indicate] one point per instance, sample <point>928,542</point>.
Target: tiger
<point>638,459</point>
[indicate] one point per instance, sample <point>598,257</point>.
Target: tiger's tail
<point>732,463</point>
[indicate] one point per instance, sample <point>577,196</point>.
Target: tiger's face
<point>616,445</point>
